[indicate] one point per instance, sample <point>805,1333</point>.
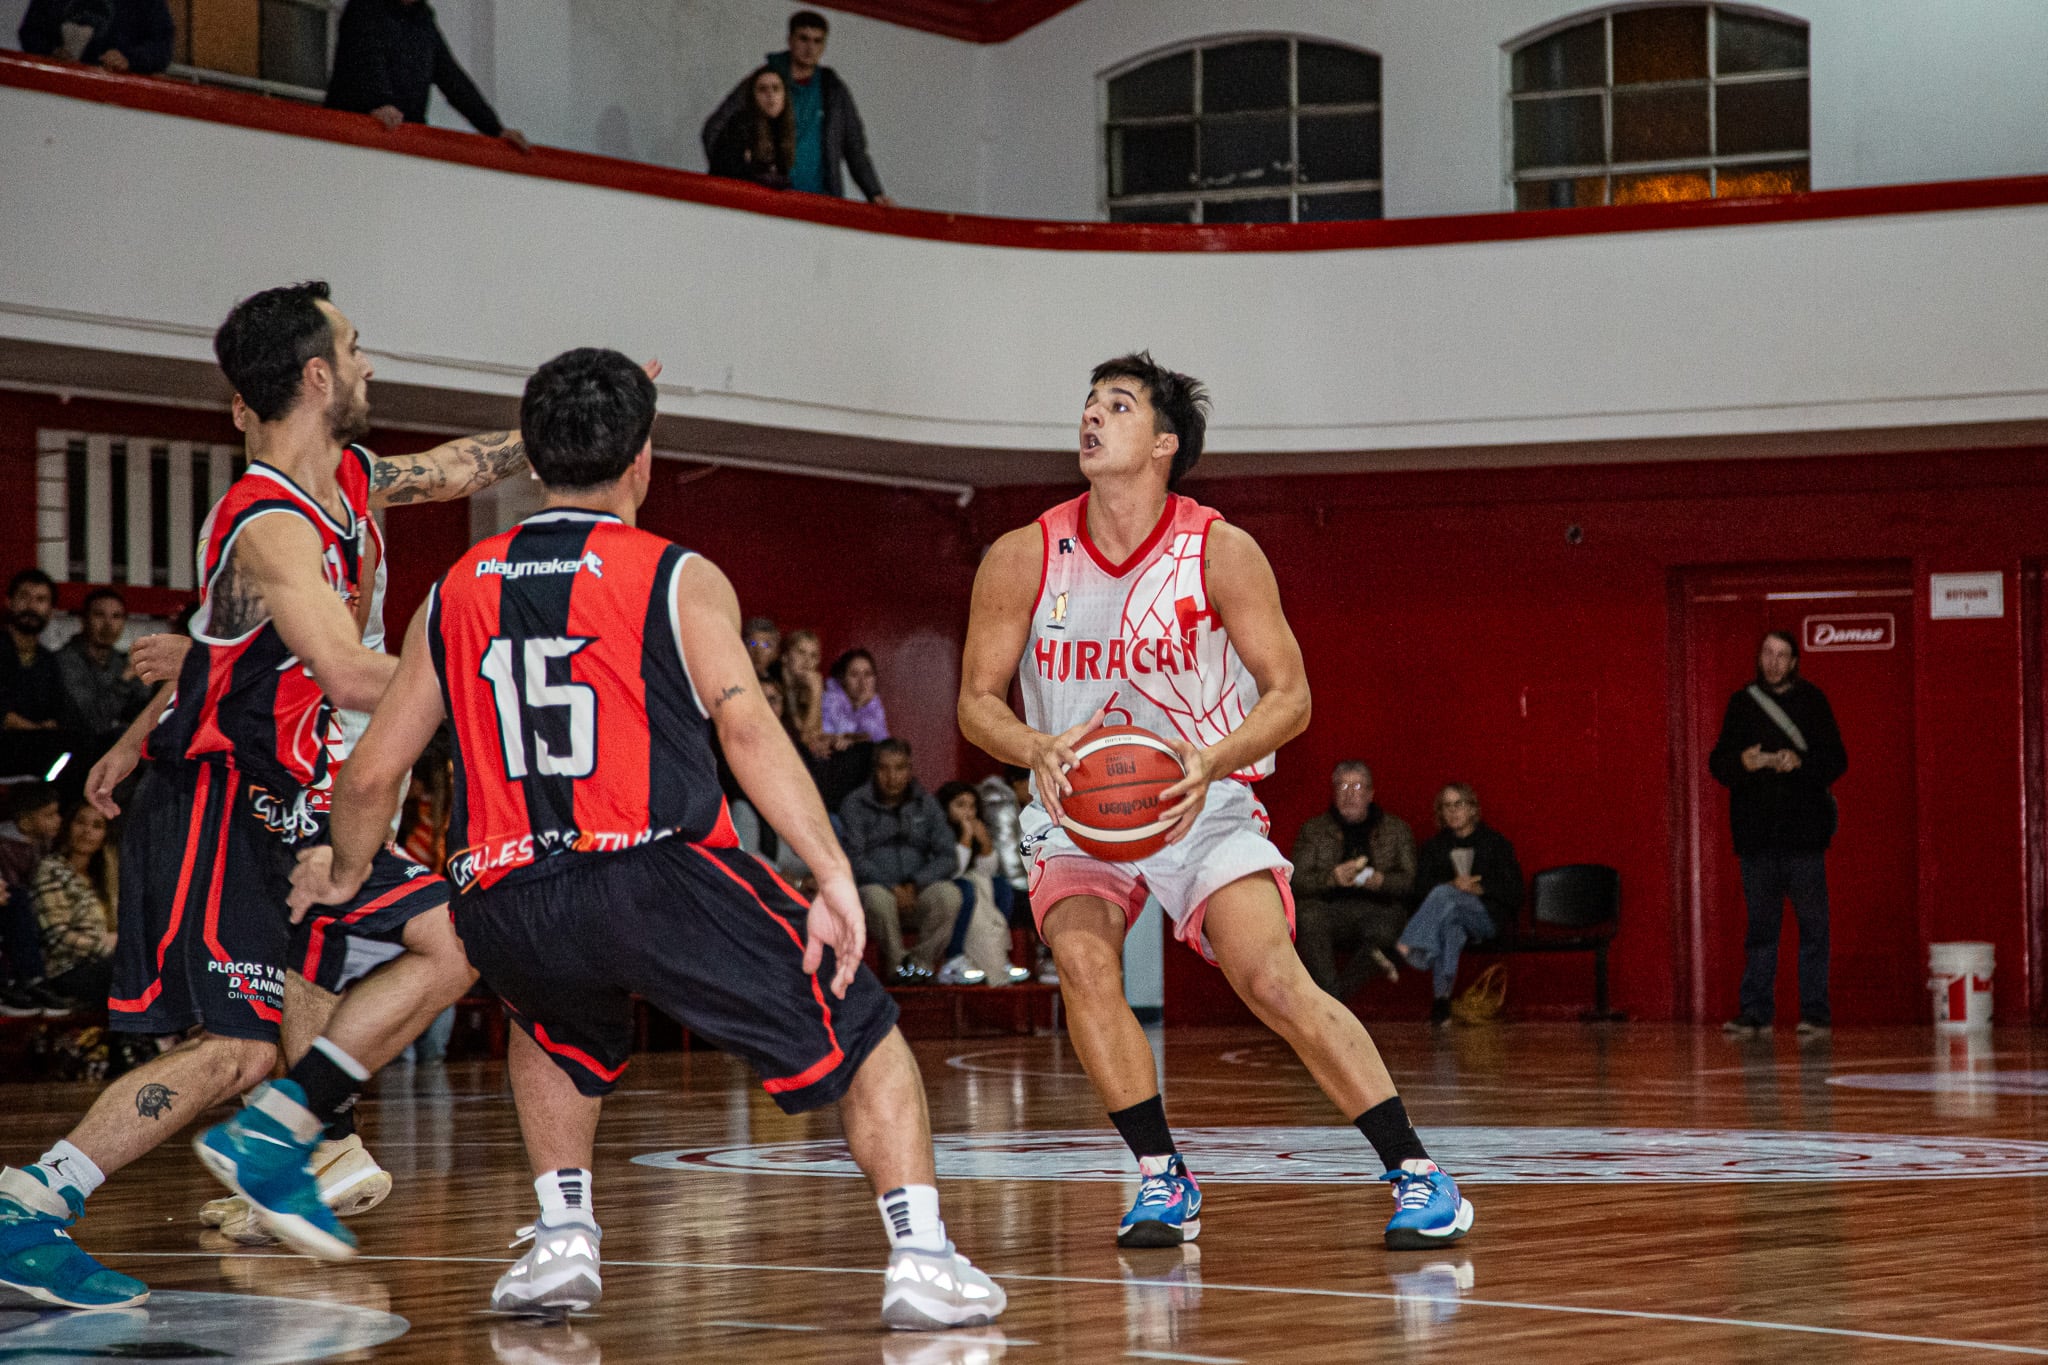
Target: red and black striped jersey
<point>577,728</point>
<point>247,700</point>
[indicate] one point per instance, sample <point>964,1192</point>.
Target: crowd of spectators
<point>1363,888</point>
<point>792,124</point>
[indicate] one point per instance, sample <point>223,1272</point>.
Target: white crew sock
<point>565,1197</point>
<point>65,1165</point>
<point>911,1214</point>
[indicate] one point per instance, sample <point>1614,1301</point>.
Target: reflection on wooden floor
<point>1643,1192</point>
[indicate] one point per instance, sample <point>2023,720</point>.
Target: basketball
<point>1115,813</point>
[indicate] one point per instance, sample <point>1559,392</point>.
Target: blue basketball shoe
<point>264,1154</point>
<point>40,1266</point>
<point>1428,1210</point>
<point>1169,1207</point>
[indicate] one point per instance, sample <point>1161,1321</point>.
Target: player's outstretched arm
<point>277,572</point>
<point>766,763</point>
<point>454,469</point>
<point>368,789</point>
<point>1246,599</point>
<point>119,761</point>
<point>998,623</point>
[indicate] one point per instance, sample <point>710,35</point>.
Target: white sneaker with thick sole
<point>351,1183</point>
<point>930,1291</point>
<point>558,1275</point>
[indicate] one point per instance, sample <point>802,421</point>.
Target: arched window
<point>1659,103</point>
<point>1257,130</point>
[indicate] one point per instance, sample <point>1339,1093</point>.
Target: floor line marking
<point>1177,1355</point>
<point>761,1326</point>
<point>1633,1314</point>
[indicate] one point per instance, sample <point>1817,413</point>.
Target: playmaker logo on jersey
<point>501,568</point>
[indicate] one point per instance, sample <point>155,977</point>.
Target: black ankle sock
<point>330,1091</point>
<point>1143,1126</point>
<point>1386,1127</point>
<point>341,1126</point>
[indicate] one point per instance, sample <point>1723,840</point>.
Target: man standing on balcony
<point>120,35</point>
<point>389,56</point>
<point>828,126</point>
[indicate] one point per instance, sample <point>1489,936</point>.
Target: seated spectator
<point>30,694</point>
<point>119,35</point>
<point>803,688</point>
<point>100,693</point>
<point>904,861</point>
<point>33,823</point>
<point>828,126</point>
<point>759,143</point>
<point>389,56</point>
<point>763,640</point>
<point>1354,866</point>
<point>980,874</point>
<point>75,886</point>
<point>1475,892</point>
<point>851,708</point>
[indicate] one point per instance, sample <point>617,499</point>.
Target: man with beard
<point>1778,753</point>
<point>239,768</point>
<point>29,689</point>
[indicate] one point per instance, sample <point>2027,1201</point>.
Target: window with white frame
<point>125,509</point>
<point>1659,103</point>
<point>1249,130</point>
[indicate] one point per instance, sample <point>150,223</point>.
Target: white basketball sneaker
<point>929,1291</point>
<point>558,1275</point>
<point>350,1180</point>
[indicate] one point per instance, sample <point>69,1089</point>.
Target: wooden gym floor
<point>1644,1193</point>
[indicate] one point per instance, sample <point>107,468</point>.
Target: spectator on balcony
<point>75,895</point>
<point>759,143</point>
<point>100,692</point>
<point>389,56</point>
<point>828,126</point>
<point>30,694</point>
<point>1354,865</point>
<point>120,35</point>
<point>851,708</point>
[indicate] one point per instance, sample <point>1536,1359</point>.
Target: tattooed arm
<point>276,573</point>
<point>452,470</point>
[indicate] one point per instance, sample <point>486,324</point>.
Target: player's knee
<point>248,1062</point>
<point>1276,990</point>
<point>1088,966</point>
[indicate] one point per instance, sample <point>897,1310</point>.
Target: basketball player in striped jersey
<point>1134,605</point>
<point>585,666</point>
<point>241,748</point>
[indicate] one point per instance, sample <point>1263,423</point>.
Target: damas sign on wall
<point>1850,630</point>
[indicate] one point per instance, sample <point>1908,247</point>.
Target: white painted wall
<point>464,278</point>
<point>1904,90</point>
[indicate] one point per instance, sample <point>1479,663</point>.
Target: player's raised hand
<point>1053,755</point>
<point>1189,794</point>
<point>158,658</point>
<point>313,882</point>
<point>836,918</point>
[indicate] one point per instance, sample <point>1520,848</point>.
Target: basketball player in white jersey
<point>1133,605</point>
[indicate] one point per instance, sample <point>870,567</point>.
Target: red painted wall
<point>1450,632</point>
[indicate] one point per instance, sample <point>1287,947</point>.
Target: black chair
<point>1573,909</point>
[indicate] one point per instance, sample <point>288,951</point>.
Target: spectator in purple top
<point>851,709</point>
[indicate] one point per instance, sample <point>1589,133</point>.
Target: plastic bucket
<point>1959,976</point>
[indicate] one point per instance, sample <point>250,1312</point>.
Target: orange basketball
<point>1115,813</point>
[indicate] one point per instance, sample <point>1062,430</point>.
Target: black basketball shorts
<point>708,936</point>
<point>205,934</point>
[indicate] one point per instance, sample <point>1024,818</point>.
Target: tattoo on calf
<point>153,1101</point>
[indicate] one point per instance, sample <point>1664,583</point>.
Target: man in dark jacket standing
<point>388,57</point>
<point>120,35</point>
<point>904,860</point>
<point>1778,754</point>
<point>828,126</point>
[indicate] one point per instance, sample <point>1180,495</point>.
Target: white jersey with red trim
<point>1138,637</point>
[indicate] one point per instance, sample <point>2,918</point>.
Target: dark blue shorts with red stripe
<point>708,936</point>
<point>205,934</point>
